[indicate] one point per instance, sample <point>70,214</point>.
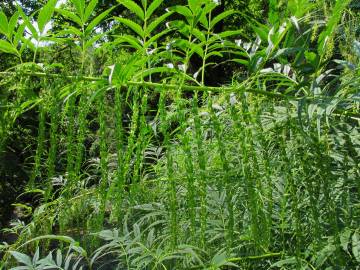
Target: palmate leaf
<point>45,14</point>
<point>135,8</point>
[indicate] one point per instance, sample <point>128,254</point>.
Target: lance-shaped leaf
<point>80,8</point>
<point>157,21</point>
<point>45,15</point>
<point>4,24</point>
<point>71,16</point>
<point>186,12</point>
<point>221,17</point>
<point>132,25</point>
<point>94,39</point>
<point>92,25</point>
<point>132,41</point>
<point>7,47</point>
<point>90,9</point>
<point>12,23</point>
<point>135,8</point>
<point>153,6</point>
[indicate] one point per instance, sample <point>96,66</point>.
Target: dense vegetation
<point>193,134</point>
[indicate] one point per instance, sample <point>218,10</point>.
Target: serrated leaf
<point>90,42</point>
<point>153,6</point>
<point>186,12</point>
<point>152,26</point>
<point>135,8</point>
<point>130,40</point>
<point>132,25</point>
<point>72,16</point>
<point>92,25</point>
<point>156,37</point>
<point>199,35</point>
<point>45,14</point>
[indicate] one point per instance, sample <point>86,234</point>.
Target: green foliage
<point>136,162</point>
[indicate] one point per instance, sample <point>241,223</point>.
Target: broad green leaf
<point>181,26</point>
<point>135,8</point>
<point>72,16</point>
<point>197,49</point>
<point>229,33</point>
<point>90,9</point>
<point>12,23</point>
<point>22,258</point>
<point>157,21</point>
<point>58,258</point>
<point>132,25</point>
<point>7,47</point>
<point>356,246</point>
<point>4,24</point>
<point>186,12</point>
<point>45,14</point>
<point>199,35</point>
<point>195,5</point>
<point>153,6</point>
<point>92,25</point>
<point>221,17</point>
